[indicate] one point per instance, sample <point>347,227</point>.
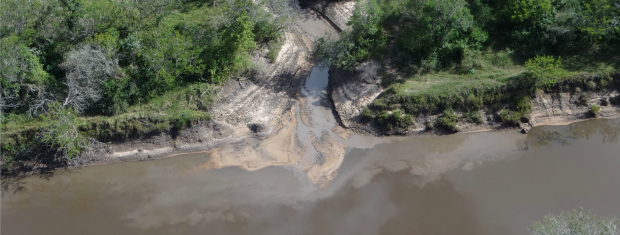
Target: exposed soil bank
<point>352,91</point>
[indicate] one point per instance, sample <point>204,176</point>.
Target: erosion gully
<point>475,183</point>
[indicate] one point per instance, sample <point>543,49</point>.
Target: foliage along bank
<point>76,73</point>
<point>437,58</point>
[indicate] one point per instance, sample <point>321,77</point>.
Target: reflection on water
<point>608,130</point>
<point>476,183</point>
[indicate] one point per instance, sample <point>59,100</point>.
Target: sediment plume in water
<point>305,139</point>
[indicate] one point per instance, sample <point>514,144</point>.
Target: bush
<point>545,70</point>
<point>60,132</point>
<point>594,110</point>
<point>473,117</point>
<point>448,120</point>
<point>591,85</point>
<point>368,114</point>
<point>429,125</point>
<point>274,50</point>
<point>584,99</point>
<point>576,222</point>
<point>510,117</point>
<point>394,120</point>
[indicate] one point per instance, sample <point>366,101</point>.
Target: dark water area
<point>474,183</point>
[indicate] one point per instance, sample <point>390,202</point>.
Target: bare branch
<point>87,68</point>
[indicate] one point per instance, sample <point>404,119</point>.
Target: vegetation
<point>437,56</point>
<point>576,222</point>
<point>448,120</point>
<point>75,73</point>
<point>594,110</point>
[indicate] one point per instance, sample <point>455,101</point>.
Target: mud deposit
<point>474,183</point>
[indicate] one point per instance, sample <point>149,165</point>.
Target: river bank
<point>349,93</point>
<point>298,114</point>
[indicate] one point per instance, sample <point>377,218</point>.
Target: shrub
<point>576,222</point>
<point>473,117</point>
<point>383,119</point>
<point>368,114</point>
<point>577,90</point>
<point>604,102</point>
<point>599,15</point>
<point>510,117</point>
<point>591,85</point>
<point>60,132</point>
<point>545,70</point>
<point>448,120</point>
<point>584,99</point>
<point>167,55</point>
<point>429,125</point>
<point>594,110</point>
<point>274,49</point>
<point>394,120</point>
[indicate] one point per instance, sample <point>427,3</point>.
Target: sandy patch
<point>325,167</point>
<point>253,153</point>
<point>342,132</point>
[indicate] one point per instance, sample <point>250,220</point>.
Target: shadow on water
<point>607,129</point>
<point>12,184</point>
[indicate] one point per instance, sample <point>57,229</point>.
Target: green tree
<point>22,77</point>
<point>166,58</point>
<point>526,10</point>
<point>443,29</point>
<point>360,43</point>
<point>602,19</point>
<point>232,53</point>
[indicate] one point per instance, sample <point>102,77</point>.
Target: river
<point>473,183</point>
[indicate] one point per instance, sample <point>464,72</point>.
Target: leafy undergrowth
<point>173,111</point>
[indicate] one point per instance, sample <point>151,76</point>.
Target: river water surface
<point>475,183</point>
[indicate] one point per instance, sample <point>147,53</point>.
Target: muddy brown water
<point>476,183</point>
